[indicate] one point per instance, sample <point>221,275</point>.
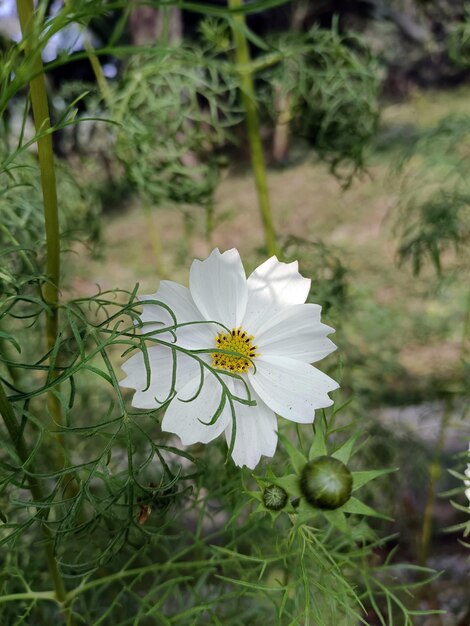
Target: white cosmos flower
<point>467,482</point>
<point>264,319</point>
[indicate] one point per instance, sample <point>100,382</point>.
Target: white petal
<point>185,418</point>
<point>272,286</point>
<point>467,482</point>
<point>295,332</point>
<point>218,287</point>
<point>291,388</point>
<point>256,432</point>
<point>161,373</point>
<point>178,299</point>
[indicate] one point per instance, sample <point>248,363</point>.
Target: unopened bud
<point>326,482</point>
<point>275,498</point>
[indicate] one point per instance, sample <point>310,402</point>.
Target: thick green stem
<point>42,124</point>
<point>16,436</point>
<point>435,472</point>
<point>46,162</point>
<point>253,128</point>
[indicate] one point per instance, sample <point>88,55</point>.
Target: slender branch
<point>253,128</point>
<point>28,595</point>
<point>98,72</point>
<point>140,571</point>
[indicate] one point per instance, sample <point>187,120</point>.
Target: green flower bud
<point>275,498</point>
<point>326,482</point>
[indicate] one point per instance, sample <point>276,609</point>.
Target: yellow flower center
<point>236,341</point>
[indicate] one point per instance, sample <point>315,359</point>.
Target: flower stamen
<point>239,341</point>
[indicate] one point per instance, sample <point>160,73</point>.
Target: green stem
<point>28,595</point>
<point>8,414</point>
<point>154,238</point>
<point>99,74</point>
<point>139,571</point>
<point>42,124</point>
<point>435,472</point>
<point>46,162</point>
<point>209,221</point>
<point>242,52</point>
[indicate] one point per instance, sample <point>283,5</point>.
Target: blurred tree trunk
<point>143,25</point>
<point>175,25</point>
<point>147,25</point>
<point>300,11</point>
<point>283,100</point>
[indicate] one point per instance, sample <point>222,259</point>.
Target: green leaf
<point>11,339</point>
<point>338,519</point>
<point>457,475</point>
<point>248,33</point>
<point>318,447</point>
<point>98,372</point>
<point>208,9</point>
<point>255,494</point>
<point>250,585</point>
<point>344,452</point>
<point>297,458</point>
<point>355,506</point>
<point>464,508</point>
<point>305,512</point>
<point>290,483</point>
<point>362,478</point>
